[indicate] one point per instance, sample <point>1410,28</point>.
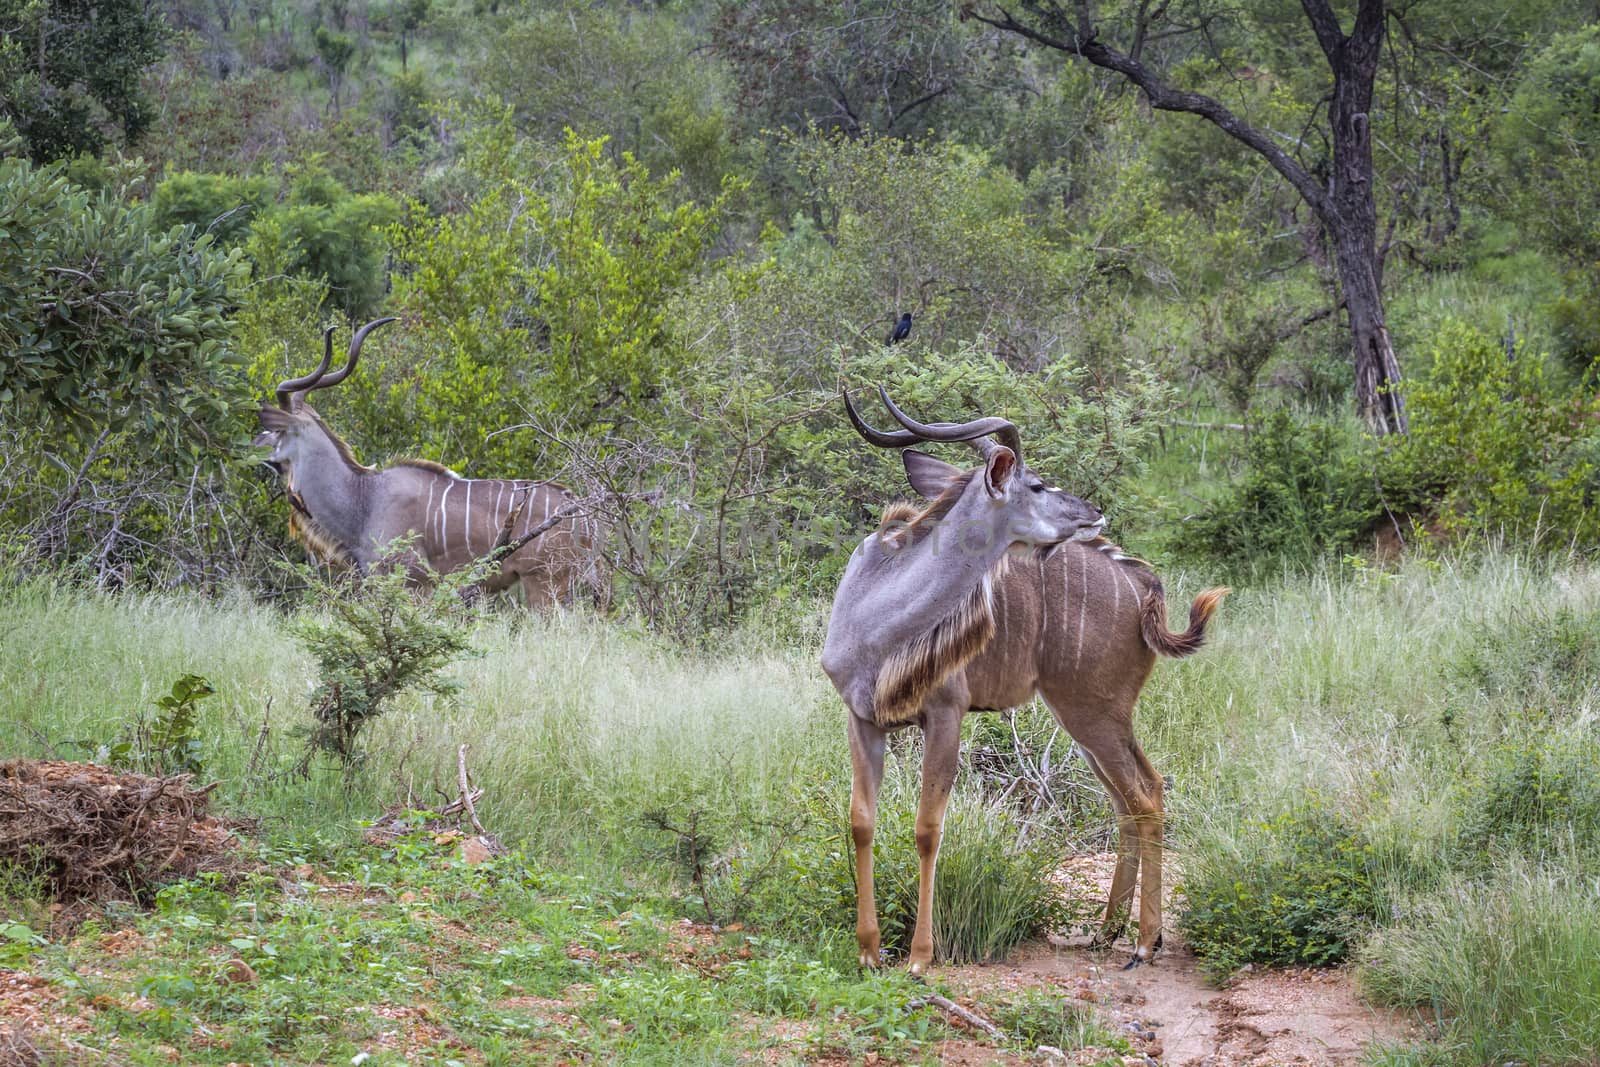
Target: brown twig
<point>945,1004</point>
<point>466,791</point>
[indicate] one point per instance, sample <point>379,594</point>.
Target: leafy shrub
<point>1305,492</point>
<point>111,319</point>
<point>1511,451</point>
<point>309,225</point>
<point>1534,795</point>
<point>374,641</point>
<point>1296,889</point>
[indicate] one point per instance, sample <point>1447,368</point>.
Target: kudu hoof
<point>1143,955</point>
<point>1105,939</point>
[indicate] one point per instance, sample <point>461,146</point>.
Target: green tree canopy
<point>111,321</point>
<point>70,71</point>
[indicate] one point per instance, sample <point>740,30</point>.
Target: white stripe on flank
<point>427,516</point>
<point>444,518</point>
<point>466,522</point>
<point>1131,587</point>
<point>1083,605</point>
<point>499,491</point>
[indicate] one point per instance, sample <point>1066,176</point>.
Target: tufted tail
<point>1153,622</point>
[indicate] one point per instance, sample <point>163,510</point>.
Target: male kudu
<point>347,513</point>
<point>938,615</point>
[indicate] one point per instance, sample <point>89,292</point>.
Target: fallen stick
<point>466,790</point>
<point>945,1004</point>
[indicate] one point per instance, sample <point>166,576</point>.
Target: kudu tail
<point>1153,622</point>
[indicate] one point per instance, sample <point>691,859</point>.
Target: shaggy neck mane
<point>914,670</point>
<point>321,544</point>
<point>905,524</point>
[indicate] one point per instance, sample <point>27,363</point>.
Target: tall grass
<point>1505,965</point>
<point>1439,714</point>
<point>573,726</point>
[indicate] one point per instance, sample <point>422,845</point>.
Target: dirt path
<point>1174,1017</point>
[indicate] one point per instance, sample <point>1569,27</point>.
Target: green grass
<point>408,956</point>
<point>1440,714</point>
<point>1503,964</point>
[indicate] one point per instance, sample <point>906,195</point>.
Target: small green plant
<point>168,743</point>
<point>1296,889</point>
<point>1048,1017</point>
<point>1534,795</point>
<point>18,941</point>
<point>374,641</point>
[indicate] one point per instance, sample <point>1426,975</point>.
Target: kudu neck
<point>328,482</point>
<point>930,574</point>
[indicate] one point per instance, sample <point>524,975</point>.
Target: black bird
<point>902,329</point>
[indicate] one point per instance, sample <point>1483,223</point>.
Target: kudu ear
<point>998,468</point>
<point>928,476</point>
<point>273,418</point>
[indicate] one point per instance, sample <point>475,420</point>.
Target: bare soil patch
<point>1169,1012</point>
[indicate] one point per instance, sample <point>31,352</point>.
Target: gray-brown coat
<point>923,632</point>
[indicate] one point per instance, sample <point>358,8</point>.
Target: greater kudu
<point>346,513</point>
<point>938,615</point>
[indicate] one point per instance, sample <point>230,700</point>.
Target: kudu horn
<point>355,353</point>
<point>319,378</point>
<point>917,432</point>
<point>294,385</point>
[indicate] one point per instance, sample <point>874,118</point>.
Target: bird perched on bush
<point>902,329</point>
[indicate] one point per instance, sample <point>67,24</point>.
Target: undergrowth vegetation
<point>1367,765</point>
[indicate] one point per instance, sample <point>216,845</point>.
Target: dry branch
<point>96,834</point>
<point>950,1007</point>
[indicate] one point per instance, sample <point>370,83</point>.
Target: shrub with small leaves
<point>1296,889</point>
<point>374,641</point>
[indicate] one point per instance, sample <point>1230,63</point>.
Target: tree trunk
<point>1377,370</point>
<point>1350,215</point>
<point>1346,205</point>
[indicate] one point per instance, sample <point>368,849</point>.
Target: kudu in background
<point>347,513</point>
<point>938,615</point>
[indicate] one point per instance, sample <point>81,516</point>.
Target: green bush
<point>374,642</point>
<point>1296,889</point>
<point>1307,490</point>
<point>1511,451</point>
<point>307,226</point>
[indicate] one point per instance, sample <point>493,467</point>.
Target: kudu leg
<point>941,749</point>
<point>1126,872</point>
<point>866,765</point>
<point>1136,794</point>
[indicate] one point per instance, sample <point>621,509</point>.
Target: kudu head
<point>1035,514</point>
<point>284,428</point>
